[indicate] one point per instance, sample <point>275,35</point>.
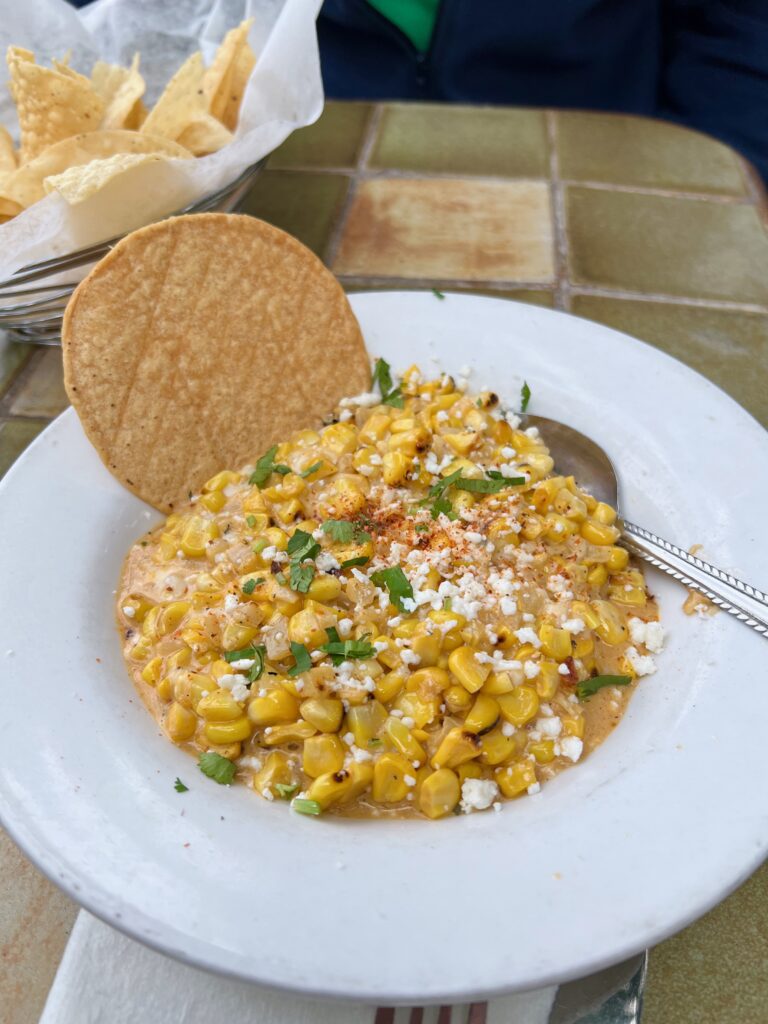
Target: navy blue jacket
<point>703,63</point>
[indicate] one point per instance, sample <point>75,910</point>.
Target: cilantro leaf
<point>216,767</point>
<point>282,469</point>
<point>347,650</point>
<point>180,787</point>
<point>301,577</point>
<point>251,520</point>
<point>361,560</point>
<point>264,467</point>
<point>256,654</point>
<point>525,396</point>
<point>302,545</point>
<point>589,687</point>
<point>444,507</point>
<point>396,582</point>
<point>303,660</point>
<point>442,485</point>
<point>394,398</point>
<point>286,791</point>
<point>421,527</point>
<point>345,532</point>
<point>382,377</point>
<point>306,806</point>
<point>492,486</point>
<point>333,635</point>
<point>311,469</point>
<point>250,585</point>
<point>438,294</point>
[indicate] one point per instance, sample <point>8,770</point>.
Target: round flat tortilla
<point>199,342</point>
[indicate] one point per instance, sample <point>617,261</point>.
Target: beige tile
<point>35,921</point>
<point>449,228</point>
<point>41,388</point>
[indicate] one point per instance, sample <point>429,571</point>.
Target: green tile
<point>715,971</point>
<point>462,140</point>
<point>334,140</point>
<point>687,247</point>
<point>531,296</point>
<point>730,348</point>
<point>305,205</point>
<point>15,435</point>
<point>639,151</point>
<point>40,390</point>
<point>12,357</point>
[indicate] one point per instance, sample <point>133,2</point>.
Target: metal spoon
<point>579,456</point>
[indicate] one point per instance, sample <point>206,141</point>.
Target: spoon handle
<point>720,587</point>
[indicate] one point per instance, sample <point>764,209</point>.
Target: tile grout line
<point>371,132</point>
<point>673,300</point>
<point>756,190</point>
<point>557,199</point>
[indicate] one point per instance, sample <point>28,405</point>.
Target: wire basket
<point>32,305</point>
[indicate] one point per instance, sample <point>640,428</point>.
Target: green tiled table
<point>640,225</point>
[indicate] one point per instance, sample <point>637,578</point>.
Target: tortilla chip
<point>137,116</point>
<point>51,105</point>
<point>7,152</point>
<point>225,80</point>
<point>204,136</point>
<point>78,183</point>
<point>199,342</point>
<point>25,185</point>
<point>120,89</point>
<point>8,209</point>
<point>181,104</point>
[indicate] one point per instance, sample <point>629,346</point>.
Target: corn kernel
<point>483,715</point>
<point>330,788</point>
<point>219,706</point>
<point>322,754</point>
<point>324,713</point>
<point>365,721</point>
<point>469,672</point>
<point>516,778</point>
<point>439,793</point>
<point>180,723</point>
<point>389,772</point>
<point>401,738</point>
<point>456,747</point>
<point>228,732</point>
<point>520,706</point>
<point>277,706</point>
<point>555,643</point>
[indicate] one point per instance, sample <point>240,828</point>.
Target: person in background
<point>700,63</point>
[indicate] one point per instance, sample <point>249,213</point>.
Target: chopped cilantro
<point>216,767</point>
<point>180,787</point>
<point>438,294</point>
<point>442,506</point>
<point>301,577</point>
<point>259,546</point>
<point>302,545</point>
<point>360,560</point>
<point>311,469</point>
<point>303,660</point>
<point>589,687</point>
<point>306,806</point>
<point>286,791</point>
<point>347,650</point>
<point>282,469</point>
<point>396,582</point>
<point>382,377</point>
<point>256,654</point>
<point>264,467</point>
<point>280,577</point>
<point>492,486</point>
<point>525,396</point>
<point>250,585</point>
<point>251,520</point>
<point>345,532</point>
<point>421,527</point>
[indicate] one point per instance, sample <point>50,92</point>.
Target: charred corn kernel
<point>222,480</point>
<point>597,575</point>
<point>604,514</point>
<point>236,636</point>
<point>439,793</point>
<point>558,529</point>
<point>428,681</point>
<point>304,628</point>
<point>214,502</point>
<point>498,748</point>
<point>467,669</point>
<point>570,505</point>
<point>330,788</point>
<point>401,738</point>
<point>229,750</point>
<point>395,466</point>
<point>427,648</point>
<point>498,682</point>
<point>388,686</point>
<point>464,442</point>
<point>457,746</point>
<point>469,770</point>
<point>189,688</point>
<point>457,699</point>
<point>361,776</point>
<point>324,588</point>
<point>289,511</point>
<point>254,502</point>
<point>389,774</point>
<point>375,427</point>
<point>462,501</point>
<point>547,682</point>
<point>587,614</point>
<point>345,497</point>
<point>532,526</point>
<point>325,713</point>
<point>555,643</point>
<point>520,706</point>
<point>409,442</point>
<point>277,706</point>
<point>618,559</point>
<point>290,486</point>
<point>276,769</point>
<point>516,778</point>
<point>171,616</point>
<point>322,754</point>
<point>151,671</point>
<point>574,726</point>
<point>483,715</point>
<point>610,626</point>
<point>228,732</point>
<point>598,533</point>
<point>293,732</point>
<point>219,706</point>
<point>180,723</point>
<point>543,751</point>
<point>164,689</point>
<point>365,721</point>
<point>139,606</point>
<point>341,438</point>
<point>197,533</point>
